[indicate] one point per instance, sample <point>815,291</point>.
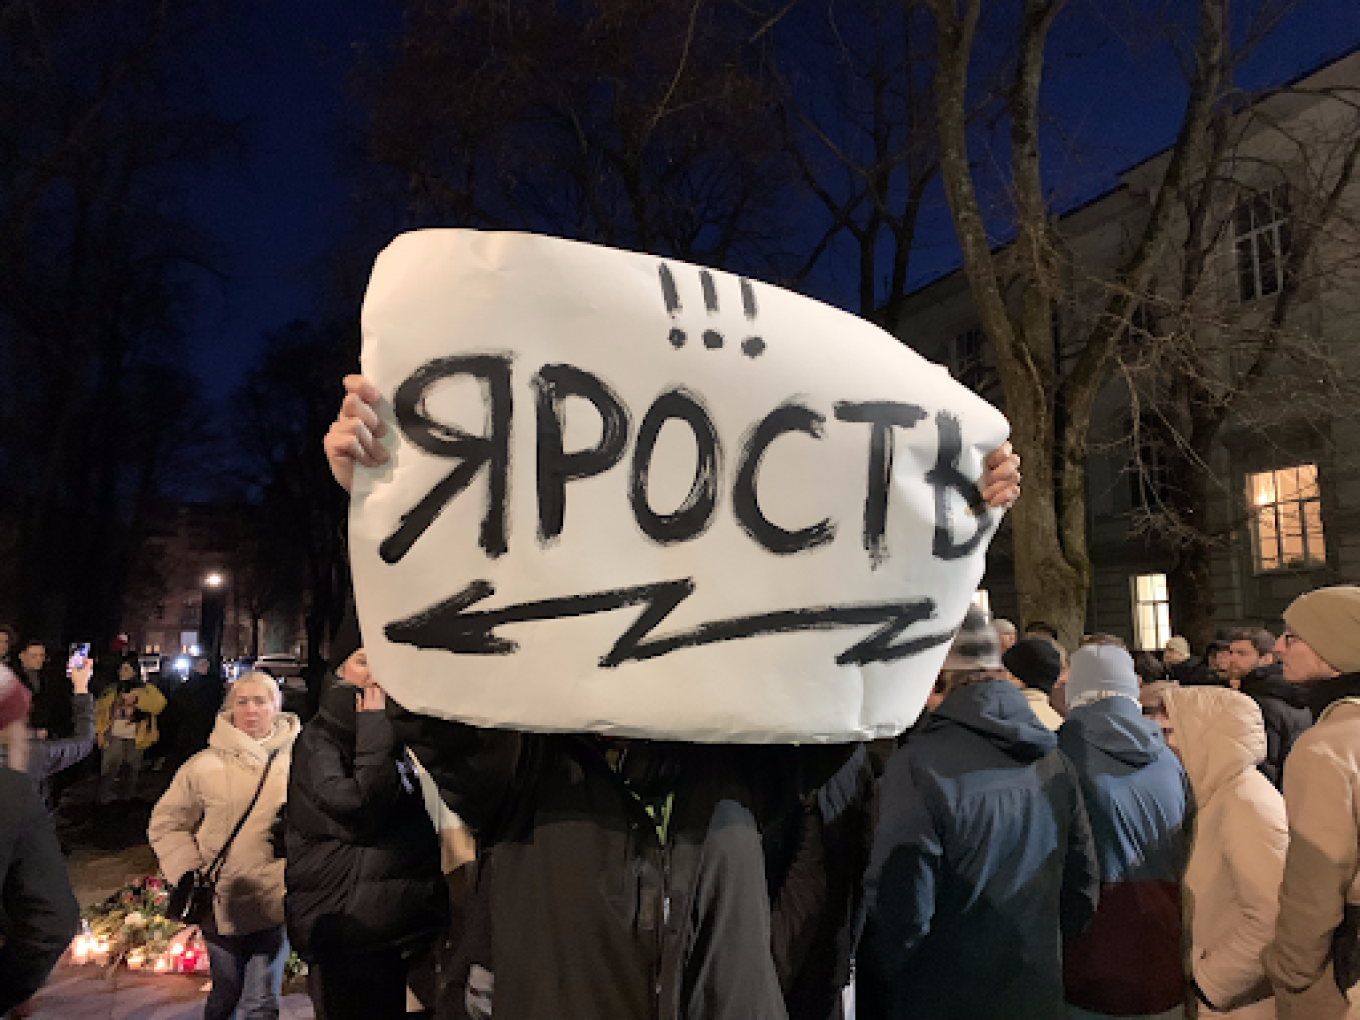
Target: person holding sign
<point>625,878</point>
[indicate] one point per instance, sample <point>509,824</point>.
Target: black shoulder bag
<point>191,901</point>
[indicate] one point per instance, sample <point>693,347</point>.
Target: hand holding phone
<point>80,655</point>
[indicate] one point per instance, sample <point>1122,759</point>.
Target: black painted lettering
<point>946,476</point>
<point>492,448</point>
<point>695,514</point>
<point>553,385</point>
<point>884,416</point>
<point>789,417</point>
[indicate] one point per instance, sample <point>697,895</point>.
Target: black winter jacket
<point>1284,708</point>
<point>363,859</point>
<point>583,909</point>
<point>982,864</point>
<point>38,913</point>
<point>819,905</point>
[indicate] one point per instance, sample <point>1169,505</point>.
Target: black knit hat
<point>1034,662</point>
<point>347,638</point>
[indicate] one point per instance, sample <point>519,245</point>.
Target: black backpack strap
<point>215,868</point>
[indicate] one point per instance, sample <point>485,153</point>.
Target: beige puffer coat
<point>1232,882</point>
<point>208,795</point>
<point>1322,789</point>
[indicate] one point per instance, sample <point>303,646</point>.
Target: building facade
<point>198,592</point>
<point>1283,473</point>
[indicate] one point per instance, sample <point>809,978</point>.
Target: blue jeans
<point>247,971</point>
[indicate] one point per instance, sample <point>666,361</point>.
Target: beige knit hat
<point>1329,620</point>
<point>1180,644</point>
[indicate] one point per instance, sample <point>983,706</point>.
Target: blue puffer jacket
<point>981,863</point>
<point>1128,962</point>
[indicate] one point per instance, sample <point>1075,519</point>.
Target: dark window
<point>1148,475</point>
<point>1261,242</point>
<point>966,358</point>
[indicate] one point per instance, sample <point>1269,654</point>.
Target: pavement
<point>101,859</point>
<point>91,993</point>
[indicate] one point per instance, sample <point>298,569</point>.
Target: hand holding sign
<point>354,436</point>
<point>573,518</point>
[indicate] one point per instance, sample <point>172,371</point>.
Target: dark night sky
<point>277,213</point>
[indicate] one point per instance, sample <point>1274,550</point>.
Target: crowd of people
<point>53,723</point>
<point>1063,833</point>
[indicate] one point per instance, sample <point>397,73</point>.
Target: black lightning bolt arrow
<point>449,625</point>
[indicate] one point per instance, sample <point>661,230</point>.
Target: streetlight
<point>213,614</point>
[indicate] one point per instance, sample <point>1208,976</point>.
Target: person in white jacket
<point>247,946</point>
<point>1237,855</point>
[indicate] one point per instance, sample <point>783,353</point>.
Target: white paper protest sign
<point>631,496</point>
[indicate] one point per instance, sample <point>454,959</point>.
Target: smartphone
<point>80,654</point>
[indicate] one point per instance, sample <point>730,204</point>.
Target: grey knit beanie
<point>1100,671</point>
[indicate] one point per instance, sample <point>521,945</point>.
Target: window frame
<point>1305,501</point>
<point>966,361</point>
<point>1261,225</point>
<point>1159,603</point>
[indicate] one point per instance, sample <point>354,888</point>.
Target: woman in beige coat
<point>189,825</point>
<point>1232,883</point>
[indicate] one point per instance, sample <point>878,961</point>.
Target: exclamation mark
<point>752,346</point>
<point>713,340</point>
<point>672,297</point>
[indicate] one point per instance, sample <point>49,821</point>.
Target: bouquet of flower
<point>130,927</point>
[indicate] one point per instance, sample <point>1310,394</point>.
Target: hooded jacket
<point>625,880</point>
<point>363,858</point>
<point>1315,951</point>
<point>1284,707</point>
<point>981,864</point>
<point>1237,858</point>
<point>207,797</point>
<point>1128,963</point>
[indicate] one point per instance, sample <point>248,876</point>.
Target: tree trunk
<point>1192,595</point>
<point>1049,586</point>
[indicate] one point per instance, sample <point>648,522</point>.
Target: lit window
<point>1151,612</point>
<point>1286,518</point>
<point>1261,242</point>
<point>982,600</point>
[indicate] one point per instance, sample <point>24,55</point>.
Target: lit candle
<point>80,950</point>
